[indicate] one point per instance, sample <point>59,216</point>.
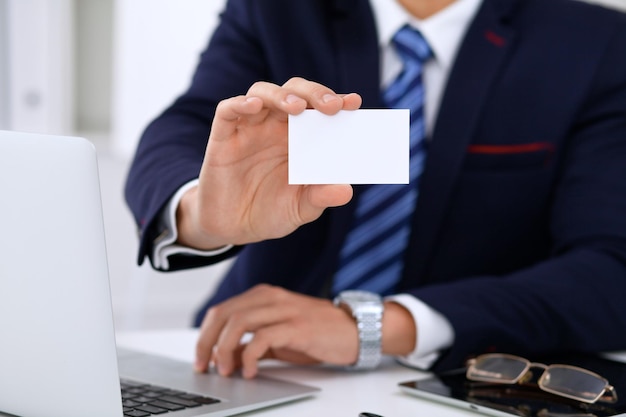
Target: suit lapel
<point>357,54</point>
<point>479,60</point>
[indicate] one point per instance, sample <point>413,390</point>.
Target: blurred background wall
<point>102,69</point>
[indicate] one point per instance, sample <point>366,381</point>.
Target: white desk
<point>343,393</point>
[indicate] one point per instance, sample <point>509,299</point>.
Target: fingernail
<point>292,98</point>
<point>198,367</point>
<point>327,98</point>
<point>221,369</point>
<point>248,373</point>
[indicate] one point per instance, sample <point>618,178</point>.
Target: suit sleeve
<point>575,299</point>
<point>171,149</point>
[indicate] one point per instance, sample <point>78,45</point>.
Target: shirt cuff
<point>433,332</point>
<point>164,245</point>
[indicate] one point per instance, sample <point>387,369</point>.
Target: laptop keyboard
<point>141,400</point>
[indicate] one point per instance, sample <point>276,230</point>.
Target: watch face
<point>360,296</point>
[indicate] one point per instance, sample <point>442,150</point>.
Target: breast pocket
<point>520,156</point>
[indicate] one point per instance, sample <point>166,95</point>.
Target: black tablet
<point>527,400</point>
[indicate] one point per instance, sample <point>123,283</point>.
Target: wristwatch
<point>367,309</point>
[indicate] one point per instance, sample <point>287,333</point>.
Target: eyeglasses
<point>563,380</point>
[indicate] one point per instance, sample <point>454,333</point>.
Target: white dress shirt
<point>444,32</point>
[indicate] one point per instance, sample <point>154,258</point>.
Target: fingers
<point>233,318</point>
<point>270,337</point>
<point>317,96</point>
<point>322,98</point>
<point>351,101</point>
<point>265,98</point>
<point>229,112</point>
<point>253,109</point>
<point>210,330</point>
<point>298,94</point>
<point>228,351</point>
<point>283,325</point>
<point>206,342</point>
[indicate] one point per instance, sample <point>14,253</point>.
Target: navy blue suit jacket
<point>519,235</point>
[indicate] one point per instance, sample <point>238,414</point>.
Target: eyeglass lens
<point>573,382</point>
<point>498,368</point>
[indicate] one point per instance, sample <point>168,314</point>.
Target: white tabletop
<point>343,393</point>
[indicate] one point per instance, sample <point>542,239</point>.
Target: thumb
<point>316,198</point>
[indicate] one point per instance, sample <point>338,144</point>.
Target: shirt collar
<point>443,31</point>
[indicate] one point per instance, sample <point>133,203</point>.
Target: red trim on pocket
<point>511,149</point>
<point>494,38</point>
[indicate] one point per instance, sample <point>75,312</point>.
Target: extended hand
<point>285,325</point>
<point>243,194</point>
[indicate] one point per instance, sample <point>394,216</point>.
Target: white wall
<point>156,44</point>
<point>39,65</point>
<point>4,56</point>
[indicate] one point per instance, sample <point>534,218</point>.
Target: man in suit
<point>518,236</point>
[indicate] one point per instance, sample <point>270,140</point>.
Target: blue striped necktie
<point>372,254</point>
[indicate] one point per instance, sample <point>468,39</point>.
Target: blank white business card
<point>367,146</point>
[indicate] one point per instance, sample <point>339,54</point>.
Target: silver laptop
<point>58,356</point>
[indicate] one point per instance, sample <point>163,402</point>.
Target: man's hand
<point>243,195</point>
<point>291,327</point>
<point>285,326</point>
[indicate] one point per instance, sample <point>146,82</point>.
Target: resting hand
<point>291,327</point>
<point>285,326</point>
<point>243,194</point>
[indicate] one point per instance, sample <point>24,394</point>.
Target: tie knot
<point>411,45</point>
